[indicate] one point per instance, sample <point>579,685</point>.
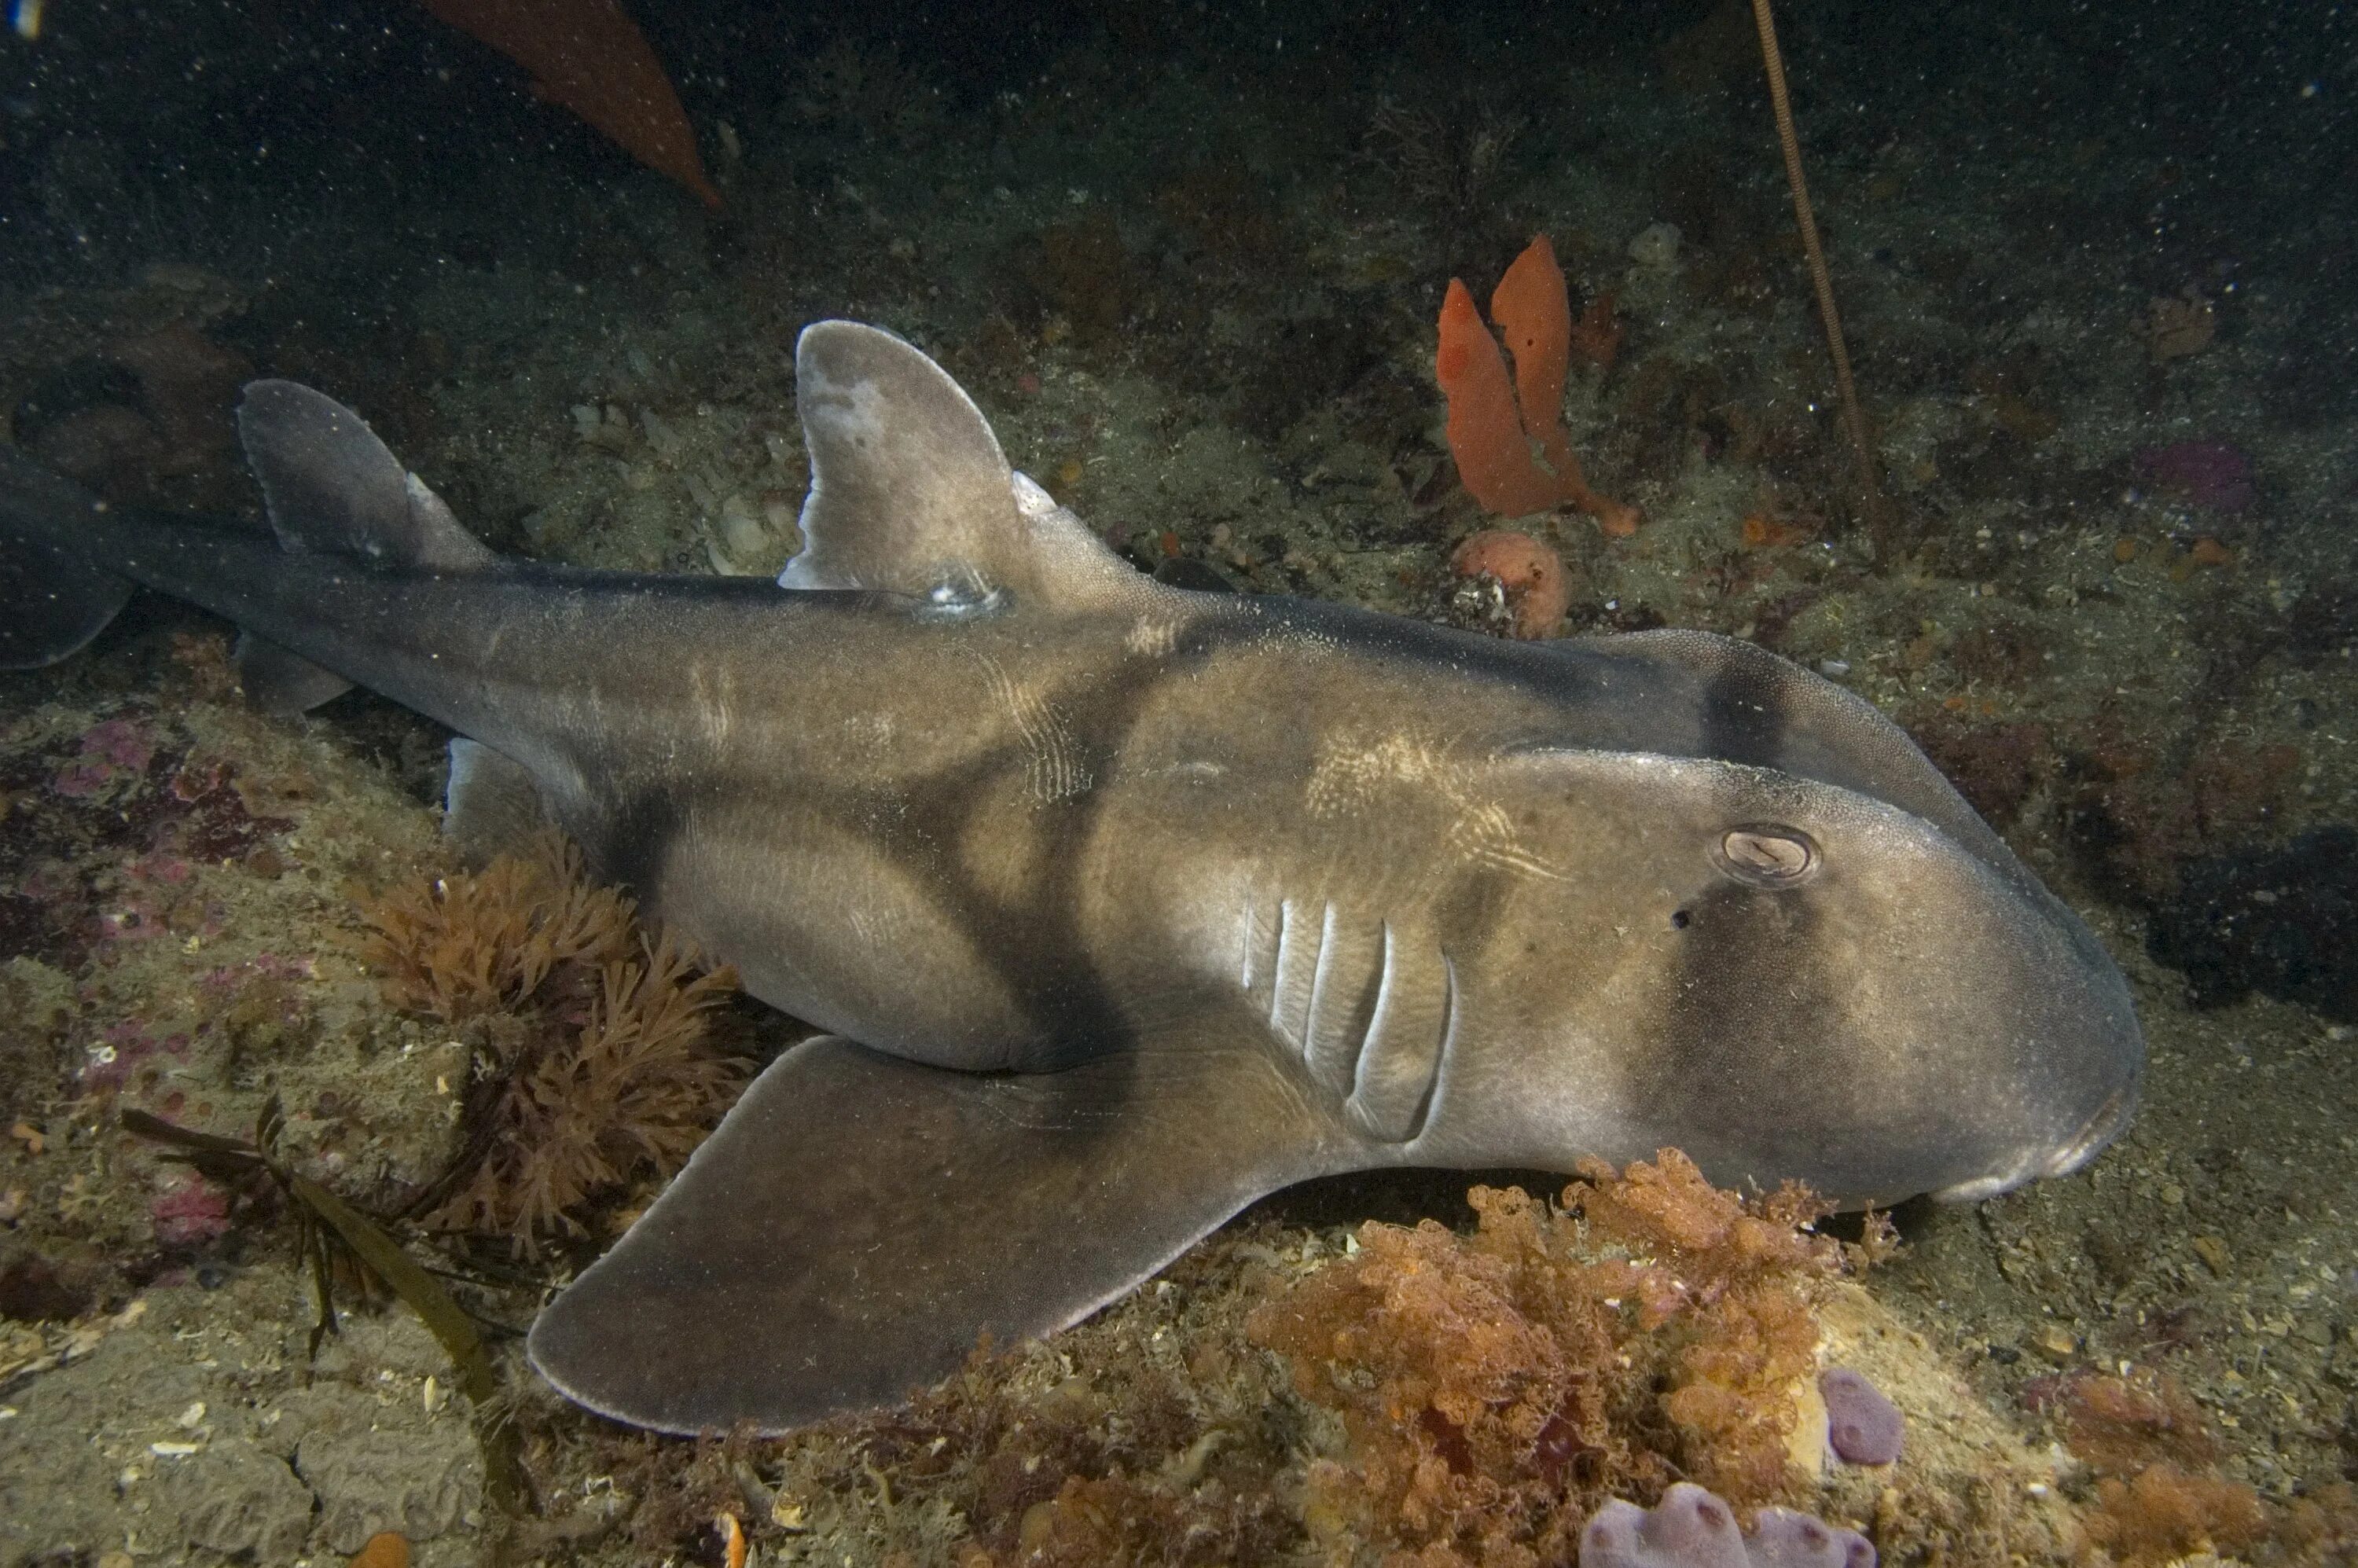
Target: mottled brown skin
<point>1127,905</point>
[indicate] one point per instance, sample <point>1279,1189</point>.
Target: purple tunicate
<point>1779,1538</point>
<point>2212,474</point>
<point>1688,1529</point>
<point>1692,1529</point>
<point>1862,1426</point>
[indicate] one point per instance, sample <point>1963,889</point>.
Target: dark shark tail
<point>53,597</point>
<point>332,488</point>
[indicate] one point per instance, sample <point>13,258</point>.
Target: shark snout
<point>2060,1160</point>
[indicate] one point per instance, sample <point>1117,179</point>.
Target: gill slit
<point>1379,1017</point>
<point>1447,1053</point>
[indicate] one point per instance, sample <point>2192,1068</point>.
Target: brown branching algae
<point>333,1238</point>
<point>594,1050</point>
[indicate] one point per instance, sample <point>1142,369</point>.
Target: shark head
<point>1784,978</point>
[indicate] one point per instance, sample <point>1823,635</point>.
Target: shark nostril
<point>2094,1134</point>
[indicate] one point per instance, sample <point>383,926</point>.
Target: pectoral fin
<point>281,683</point>
<point>858,1221</point>
<point>491,804</point>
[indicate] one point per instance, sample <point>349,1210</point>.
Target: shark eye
<point>1767,856</point>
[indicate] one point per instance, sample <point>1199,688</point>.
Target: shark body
<point>1125,905</point>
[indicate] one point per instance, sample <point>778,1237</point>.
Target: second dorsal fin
<point>332,486</point>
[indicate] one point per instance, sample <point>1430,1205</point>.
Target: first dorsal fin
<point>332,486</point>
<point>910,493</point>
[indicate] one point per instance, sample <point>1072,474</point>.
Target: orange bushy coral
<point>1470,1376</point>
<point>594,1057</point>
<point>2167,1514</point>
<point>1730,1396</point>
<point>1728,1268</point>
<point>1714,1239</point>
<point>1495,1388</point>
<point>1595,333</point>
<point>2160,1499</point>
<point>2118,1426</point>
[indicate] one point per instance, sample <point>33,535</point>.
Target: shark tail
<point>331,487</point>
<point>53,597</point>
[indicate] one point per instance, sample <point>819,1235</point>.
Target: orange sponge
<point>1507,437</point>
<point>1533,309</point>
<point>1485,431</point>
<point>588,57</point>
